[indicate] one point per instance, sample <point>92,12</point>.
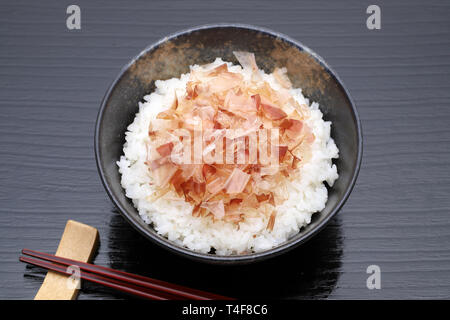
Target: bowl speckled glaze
<point>172,56</point>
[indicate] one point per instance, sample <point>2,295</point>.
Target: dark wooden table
<point>398,217</point>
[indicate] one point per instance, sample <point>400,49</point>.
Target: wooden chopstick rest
<point>78,242</point>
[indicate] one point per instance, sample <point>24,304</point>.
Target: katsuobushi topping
<point>230,143</point>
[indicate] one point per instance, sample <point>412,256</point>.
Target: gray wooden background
<point>52,81</point>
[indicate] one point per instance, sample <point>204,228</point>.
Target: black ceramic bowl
<point>171,57</point>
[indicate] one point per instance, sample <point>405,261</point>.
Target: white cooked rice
<point>173,219</point>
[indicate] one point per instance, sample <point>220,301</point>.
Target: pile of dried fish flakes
<point>230,178</point>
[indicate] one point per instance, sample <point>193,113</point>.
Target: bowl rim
<point>233,259</point>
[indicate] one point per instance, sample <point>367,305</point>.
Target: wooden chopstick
<point>187,293</point>
<point>94,278</point>
<point>138,285</point>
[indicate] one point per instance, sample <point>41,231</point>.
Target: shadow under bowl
<point>172,57</point>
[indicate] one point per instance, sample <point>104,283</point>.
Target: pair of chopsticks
<point>123,281</point>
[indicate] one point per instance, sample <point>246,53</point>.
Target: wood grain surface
<point>52,81</point>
